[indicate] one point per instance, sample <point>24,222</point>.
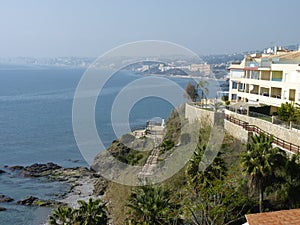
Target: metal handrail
<point>255,129</point>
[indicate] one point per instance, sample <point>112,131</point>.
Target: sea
<point>36,127</point>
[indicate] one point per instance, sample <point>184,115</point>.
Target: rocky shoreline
<point>83,184</point>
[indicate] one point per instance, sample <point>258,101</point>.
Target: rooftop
<point>265,60</point>
<point>283,217</point>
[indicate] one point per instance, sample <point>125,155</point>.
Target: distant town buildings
<point>143,68</point>
<point>204,68</point>
<point>271,78</point>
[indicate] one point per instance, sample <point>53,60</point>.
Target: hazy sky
<point>90,28</point>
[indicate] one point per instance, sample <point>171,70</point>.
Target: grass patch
<point>117,196</point>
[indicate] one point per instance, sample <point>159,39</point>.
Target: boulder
<point>36,169</point>
<point>13,168</point>
<point>34,201</point>
<point>4,198</point>
<point>27,201</point>
<point>2,171</point>
<point>2,208</point>
<point>100,186</point>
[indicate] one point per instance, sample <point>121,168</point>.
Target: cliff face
<point>128,150</point>
<point>134,151</point>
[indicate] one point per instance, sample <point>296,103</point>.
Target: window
<point>277,76</point>
<point>292,94</point>
<point>241,86</point>
<point>237,73</point>
<point>234,85</point>
<point>254,75</point>
<point>233,97</point>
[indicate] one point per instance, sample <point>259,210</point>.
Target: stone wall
<point>236,131</point>
<point>195,113</point>
<point>278,131</point>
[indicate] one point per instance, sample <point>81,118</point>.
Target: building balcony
<point>271,101</point>
<point>263,99</point>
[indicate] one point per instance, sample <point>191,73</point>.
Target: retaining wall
<point>236,131</point>
<point>278,131</point>
<point>194,113</point>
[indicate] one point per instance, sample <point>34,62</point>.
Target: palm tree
<point>62,216</point>
<point>92,212</point>
<point>152,205</point>
<point>260,161</point>
<point>204,90</point>
<point>202,178</point>
<point>217,105</point>
<point>89,213</point>
<point>289,187</point>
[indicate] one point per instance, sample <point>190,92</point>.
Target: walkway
<point>287,146</point>
<point>156,133</point>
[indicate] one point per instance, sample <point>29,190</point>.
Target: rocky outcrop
<point>100,186</point>
<point>2,171</point>
<point>34,201</point>
<point>69,175</point>
<point>51,171</point>
<point>2,208</point>
<point>82,182</point>
<point>15,168</point>
<point>35,170</point>
<point>27,201</point>
<point>4,198</point>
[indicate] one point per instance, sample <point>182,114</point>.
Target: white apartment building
<point>266,79</point>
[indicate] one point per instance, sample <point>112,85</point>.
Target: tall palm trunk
<point>261,198</point>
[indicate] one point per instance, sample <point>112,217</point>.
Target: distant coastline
<point>182,76</point>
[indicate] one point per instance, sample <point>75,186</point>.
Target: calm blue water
<point>36,126</point>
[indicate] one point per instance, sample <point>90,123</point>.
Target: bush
<point>166,145</point>
<point>288,112</point>
<point>93,212</point>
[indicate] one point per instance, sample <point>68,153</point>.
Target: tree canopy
<point>289,112</point>
<point>261,161</point>
<point>93,212</point>
<point>191,91</point>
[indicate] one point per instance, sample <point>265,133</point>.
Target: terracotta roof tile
<point>283,217</point>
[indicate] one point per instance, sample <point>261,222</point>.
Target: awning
<point>244,105</point>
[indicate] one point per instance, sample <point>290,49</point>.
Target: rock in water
<point>4,198</point>
<point>34,201</point>
<point>2,208</point>
<point>36,170</point>
<point>27,201</point>
<point>13,168</point>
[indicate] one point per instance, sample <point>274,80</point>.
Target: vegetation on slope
<point>220,194</point>
<point>131,150</point>
<point>93,212</point>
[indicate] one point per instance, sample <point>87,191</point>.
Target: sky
<point>53,28</point>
